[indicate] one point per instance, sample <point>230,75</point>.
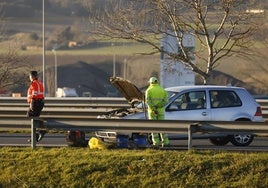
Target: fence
<point>80,107</point>
<point>147,126</point>
<point>81,113</point>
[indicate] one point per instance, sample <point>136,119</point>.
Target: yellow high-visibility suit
<point>156,99</point>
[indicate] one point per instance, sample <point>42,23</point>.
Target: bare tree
<point>222,28</point>
<point>11,62</point>
<point>2,24</point>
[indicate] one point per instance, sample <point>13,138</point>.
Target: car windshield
<point>171,94</point>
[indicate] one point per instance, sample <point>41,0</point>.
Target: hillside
<point>92,75</point>
<point>90,72</point>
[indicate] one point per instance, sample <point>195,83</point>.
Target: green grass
<point>104,50</point>
<point>118,50</point>
<point>82,167</point>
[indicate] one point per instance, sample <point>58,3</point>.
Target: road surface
<point>59,140</point>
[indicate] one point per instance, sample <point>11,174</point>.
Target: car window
<point>223,98</point>
<point>171,94</point>
<point>189,101</point>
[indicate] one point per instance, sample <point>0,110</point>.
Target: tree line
<point>222,28</point>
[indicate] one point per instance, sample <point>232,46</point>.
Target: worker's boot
<point>156,139</point>
<point>164,139</point>
<point>41,135</point>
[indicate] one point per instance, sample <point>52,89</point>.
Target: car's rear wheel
<point>219,141</point>
<point>241,139</point>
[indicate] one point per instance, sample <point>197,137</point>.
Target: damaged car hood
<point>127,90</point>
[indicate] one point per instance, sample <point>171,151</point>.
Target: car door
<point>225,105</point>
<point>191,105</point>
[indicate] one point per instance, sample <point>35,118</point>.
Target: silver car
<point>197,103</point>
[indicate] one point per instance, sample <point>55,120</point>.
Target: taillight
<point>258,111</point>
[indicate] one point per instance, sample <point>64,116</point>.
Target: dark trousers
<point>37,107</point>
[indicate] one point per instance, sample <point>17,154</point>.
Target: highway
<point>77,111</point>
<point>59,140</point>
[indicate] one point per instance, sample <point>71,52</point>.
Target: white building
<point>174,73</point>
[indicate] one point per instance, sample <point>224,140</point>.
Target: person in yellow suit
<point>156,99</point>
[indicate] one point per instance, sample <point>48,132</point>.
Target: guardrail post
<point>191,129</point>
<point>33,133</point>
<point>190,139</point>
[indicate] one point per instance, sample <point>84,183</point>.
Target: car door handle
<point>204,113</point>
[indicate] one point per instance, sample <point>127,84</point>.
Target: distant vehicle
<point>195,103</point>
<point>66,92</point>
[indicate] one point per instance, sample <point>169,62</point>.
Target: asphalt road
<point>59,140</point>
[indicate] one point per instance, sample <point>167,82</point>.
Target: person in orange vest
<point>35,99</point>
<point>156,99</point>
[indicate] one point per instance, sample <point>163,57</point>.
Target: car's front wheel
<point>219,141</point>
<point>241,139</point>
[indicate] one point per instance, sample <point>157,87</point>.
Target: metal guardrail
<point>84,102</point>
<point>80,113</point>
<point>263,103</point>
<point>72,102</point>
<point>81,107</point>
<point>20,112</point>
<point>147,126</point>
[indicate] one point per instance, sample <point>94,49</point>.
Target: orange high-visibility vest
<point>35,91</point>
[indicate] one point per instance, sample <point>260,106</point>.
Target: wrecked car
<point>205,103</point>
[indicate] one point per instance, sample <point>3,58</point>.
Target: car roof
<point>183,88</point>
<point>133,94</point>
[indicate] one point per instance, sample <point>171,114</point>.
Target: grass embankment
<point>82,167</point>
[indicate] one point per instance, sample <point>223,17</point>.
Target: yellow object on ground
<point>95,143</point>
